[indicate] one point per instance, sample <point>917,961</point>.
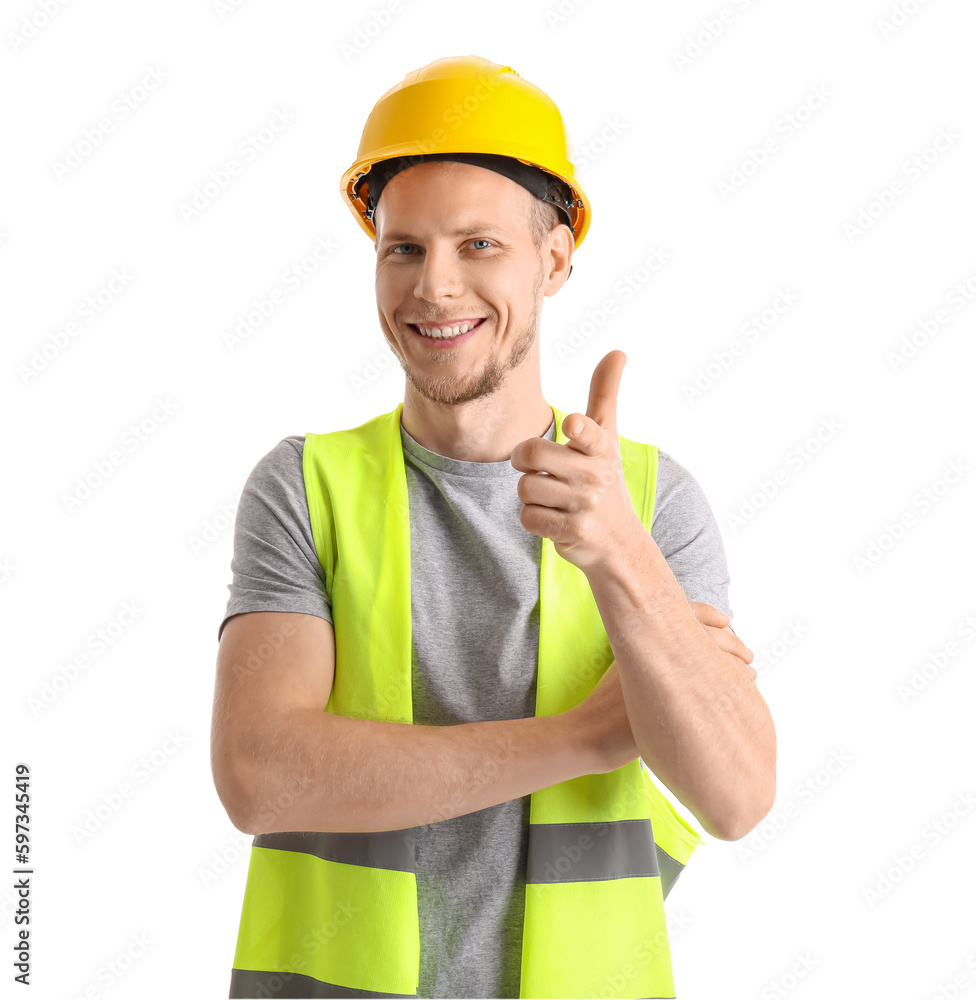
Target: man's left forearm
<point>700,725</point>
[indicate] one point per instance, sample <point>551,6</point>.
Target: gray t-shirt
<point>475,621</point>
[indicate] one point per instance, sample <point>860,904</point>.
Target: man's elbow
<point>756,798</point>
<point>238,812</point>
<point>234,797</point>
<point>735,826</point>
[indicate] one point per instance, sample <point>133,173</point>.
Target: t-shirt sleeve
<point>687,534</point>
<point>275,566</point>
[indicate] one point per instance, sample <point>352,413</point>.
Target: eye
<point>479,240</point>
<point>396,246</point>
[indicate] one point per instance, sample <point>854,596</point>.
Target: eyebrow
<point>477,227</point>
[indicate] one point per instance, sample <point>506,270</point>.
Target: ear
<point>558,259</point>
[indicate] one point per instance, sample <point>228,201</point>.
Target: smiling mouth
<point>447,332</point>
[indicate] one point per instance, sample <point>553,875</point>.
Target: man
<point>454,633</point>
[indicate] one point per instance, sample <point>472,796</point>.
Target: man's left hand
<point>582,503</point>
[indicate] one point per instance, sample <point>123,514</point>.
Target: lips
<point>473,323</point>
<point>446,343</point>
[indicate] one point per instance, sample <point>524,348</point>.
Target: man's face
<point>454,243</point>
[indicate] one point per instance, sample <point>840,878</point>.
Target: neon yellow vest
<point>335,914</point>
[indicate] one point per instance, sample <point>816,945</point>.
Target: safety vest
<point>335,914</point>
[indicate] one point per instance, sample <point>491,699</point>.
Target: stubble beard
<point>454,388</point>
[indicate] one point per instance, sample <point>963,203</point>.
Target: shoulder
<point>273,497</point>
<point>678,492</point>
<point>688,535</point>
<point>278,467</point>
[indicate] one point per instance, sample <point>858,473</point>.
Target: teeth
<point>447,331</point>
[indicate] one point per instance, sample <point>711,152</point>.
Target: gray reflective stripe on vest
<point>576,852</point>
<point>670,870</point>
<point>391,849</point>
<point>292,986</point>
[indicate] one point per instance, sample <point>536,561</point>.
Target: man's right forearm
<point>324,772</point>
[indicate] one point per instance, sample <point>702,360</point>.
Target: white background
<point>792,897</point>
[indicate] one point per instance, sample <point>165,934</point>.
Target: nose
<point>439,275</point>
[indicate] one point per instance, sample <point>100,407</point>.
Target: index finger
<point>708,614</point>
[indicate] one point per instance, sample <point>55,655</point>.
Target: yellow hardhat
<point>466,104</point>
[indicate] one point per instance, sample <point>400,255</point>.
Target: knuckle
<point>590,499</point>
